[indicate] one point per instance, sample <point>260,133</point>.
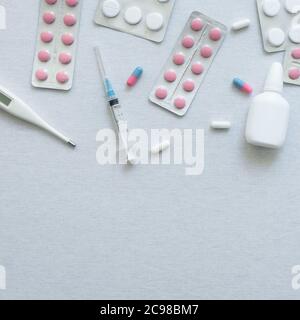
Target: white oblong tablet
<point>292,6</point>
<point>220,125</point>
<point>276,37</point>
<point>271,7</point>
<point>154,21</point>
<point>241,24</point>
<point>133,15</point>
<point>294,34</point>
<point>111,8</point>
<point>161,147</point>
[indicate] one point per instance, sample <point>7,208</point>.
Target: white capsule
<point>220,125</point>
<point>161,147</point>
<point>241,24</point>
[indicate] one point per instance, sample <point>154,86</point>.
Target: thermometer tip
<point>71,143</point>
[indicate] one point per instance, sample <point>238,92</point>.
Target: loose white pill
<point>133,15</point>
<point>271,8</point>
<point>160,147</point>
<point>276,37</point>
<point>220,125</point>
<point>111,8</point>
<point>241,24</point>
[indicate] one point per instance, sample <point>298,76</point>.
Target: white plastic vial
<point>268,116</point>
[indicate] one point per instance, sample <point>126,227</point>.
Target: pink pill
<point>67,39</point>
<point>179,58</point>
<point>188,85</point>
<point>72,3</point>
<point>69,20</point>
<point>46,36</point>
<point>51,1</point>
<point>161,93</point>
<point>296,53</point>
<point>294,73</point>
<point>44,56</point>
<point>197,68</point>
<point>215,34</point>
<point>49,17</point>
<point>197,24</point>
<point>65,58</point>
<point>188,42</point>
<point>206,52</point>
<point>62,77</point>
<point>170,75</point>
<point>179,102</point>
<point>41,75</point>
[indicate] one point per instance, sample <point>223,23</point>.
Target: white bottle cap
<point>274,80</point>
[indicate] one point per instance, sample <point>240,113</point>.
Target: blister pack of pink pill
<point>292,65</point>
<point>189,63</point>
<point>56,44</point>
<point>292,55</point>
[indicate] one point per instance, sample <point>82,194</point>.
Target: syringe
<point>116,110</point>
<point>111,96</point>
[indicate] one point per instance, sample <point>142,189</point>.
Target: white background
<point>70,228</point>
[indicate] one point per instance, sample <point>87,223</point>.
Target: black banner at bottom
<point>90,310</point>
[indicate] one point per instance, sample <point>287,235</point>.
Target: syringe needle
<point>100,64</point>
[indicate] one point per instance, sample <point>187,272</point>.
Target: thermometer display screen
<point>4,99</point>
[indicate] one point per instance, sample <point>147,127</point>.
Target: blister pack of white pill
<point>292,55</point>
<point>147,19</point>
<point>275,17</point>
<point>189,63</point>
<point>56,44</point>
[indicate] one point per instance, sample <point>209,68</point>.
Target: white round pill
<point>294,34</point>
<point>154,21</point>
<point>111,8</point>
<point>292,6</point>
<point>133,15</point>
<point>276,37</point>
<point>271,7</point>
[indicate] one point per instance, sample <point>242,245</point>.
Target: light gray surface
<point>70,228</point>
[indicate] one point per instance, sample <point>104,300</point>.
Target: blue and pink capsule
<point>242,85</point>
<point>136,75</point>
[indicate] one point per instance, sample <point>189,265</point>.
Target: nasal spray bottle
<point>268,116</point>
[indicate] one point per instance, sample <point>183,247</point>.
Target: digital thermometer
<point>16,107</point>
